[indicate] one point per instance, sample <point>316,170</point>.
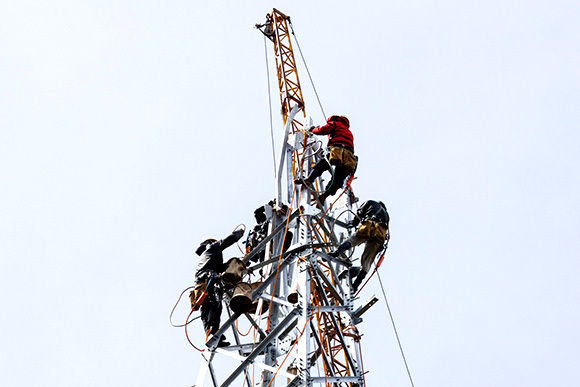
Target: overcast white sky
<point>131,130</point>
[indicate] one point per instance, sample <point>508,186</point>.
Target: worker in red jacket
<point>340,155</point>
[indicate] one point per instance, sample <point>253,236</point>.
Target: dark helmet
<point>203,245</point>
<point>340,118</point>
<point>260,214</point>
<point>386,212</point>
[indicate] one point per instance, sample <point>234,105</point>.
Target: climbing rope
<point>307,70</point>
<point>395,329</point>
<point>339,215</point>
<point>238,241</point>
<point>377,265</point>
<point>175,306</point>
<point>187,335</point>
<point>314,152</point>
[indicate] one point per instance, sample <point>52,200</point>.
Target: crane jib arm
<point>276,29</point>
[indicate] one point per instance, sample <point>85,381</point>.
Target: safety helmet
<point>202,246</point>
<point>340,118</point>
<point>260,215</point>
<point>386,212</point>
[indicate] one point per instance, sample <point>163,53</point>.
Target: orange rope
<point>186,335</point>
<point>373,273</point>
<point>253,346</point>
<point>290,350</point>
<point>238,329</point>
<point>365,284</point>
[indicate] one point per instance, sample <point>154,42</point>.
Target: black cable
<point>339,215</point>
<point>307,70</point>
<point>395,328</point>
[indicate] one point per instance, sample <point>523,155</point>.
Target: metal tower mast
<point>304,329</point>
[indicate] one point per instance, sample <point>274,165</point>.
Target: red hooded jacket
<point>339,134</point>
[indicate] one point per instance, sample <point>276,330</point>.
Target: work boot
<point>353,199</point>
<point>302,181</point>
<point>341,249</point>
<point>322,198</point>
<point>352,272</point>
<point>223,342</point>
<point>358,280</point>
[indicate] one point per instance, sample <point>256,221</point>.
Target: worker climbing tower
<point>301,314</point>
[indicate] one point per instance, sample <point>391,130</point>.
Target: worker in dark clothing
<point>263,215</point>
<point>340,154</point>
<point>267,28</point>
<point>373,231</point>
<point>258,233</point>
<point>209,268</point>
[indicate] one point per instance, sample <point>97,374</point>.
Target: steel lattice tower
<point>313,340</point>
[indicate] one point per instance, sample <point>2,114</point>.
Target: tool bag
<point>197,295</point>
<point>372,230</point>
<point>343,157</point>
<point>234,271</point>
<point>241,301</point>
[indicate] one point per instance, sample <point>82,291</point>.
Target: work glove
<point>238,233</point>
<point>308,131</point>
